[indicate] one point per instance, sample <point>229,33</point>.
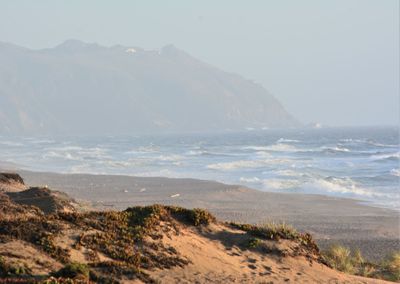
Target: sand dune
<point>331,220</point>
<point>153,244</point>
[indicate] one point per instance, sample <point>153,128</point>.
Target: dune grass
<point>351,261</point>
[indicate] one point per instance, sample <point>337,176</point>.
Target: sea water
<point>360,163</point>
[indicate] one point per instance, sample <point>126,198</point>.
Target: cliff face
<point>81,88</point>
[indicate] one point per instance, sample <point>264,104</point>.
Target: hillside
<point>82,88</point>
<point>152,244</point>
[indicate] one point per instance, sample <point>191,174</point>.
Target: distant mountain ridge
<point>86,88</point>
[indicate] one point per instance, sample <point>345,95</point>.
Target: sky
<point>332,62</point>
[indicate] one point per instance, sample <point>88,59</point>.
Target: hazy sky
<point>335,62</point>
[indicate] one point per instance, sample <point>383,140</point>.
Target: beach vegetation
<point>127,244</point>
<point>195,217</point>
<point>340,258</point>
<point>74,270</point>
<point>253,243</point>
<point>271,231</point>
<point>390,267</point>
<point>351,261</point>
<point>7,269</point>
<point>276,232</point>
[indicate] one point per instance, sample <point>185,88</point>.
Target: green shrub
<point>7,269</point>
<point>200,217</point>
<point>273,231</point>
<point>73,270</point>
<point>253,243</point>
<point>195,217</point>
<point>53,280</point>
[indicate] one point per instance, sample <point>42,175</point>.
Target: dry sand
<point>214,258</point>
<point>375,231</point>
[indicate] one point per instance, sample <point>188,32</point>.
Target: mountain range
<point>85,88</point>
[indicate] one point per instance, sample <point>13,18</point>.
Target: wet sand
<point>331,220</point>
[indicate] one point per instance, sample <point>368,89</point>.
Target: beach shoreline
<point>375,231</point>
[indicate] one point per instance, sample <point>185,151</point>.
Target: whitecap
<point>235,165</point>
<point>66,148</point>
<point>335,149</point>
<point>263,154</point>
<point>351,140</point>
<point>82,168</point>
<point>62,155</point>
<point>339,186</point>
<point>243,164</point>
<point>367,141</point>
<point>280,184</point>
<point>11,143</point>
<point>120,164</point>
<point>196,152</point>
<point>43,141</point>
<point>289,173</point>
<point>209,153</point>
<point>281,147</point>
<point>284,140</point>
<point>160,173</point>
<point>395,172</point>
<point>250,180</point>
<point>256,148</point>
<point>388,156</point>
<point>150,148</point>
<point>169,158</point>
<point>278,147</point>
<point>383,145</point>
<point>143,150</point>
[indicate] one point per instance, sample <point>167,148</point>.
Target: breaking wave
<point>334,149</point>
<point>395,172</point>
<point>11,143</point>
<point>280,184</point>
<point>278,147</point>
<point>339,186</point>
<point>290,173</point>
<point>75,153</point>
<point>389,156</point>
<point>330,185</point>
<point>367,141</point>
<point>235,165</point>
<point>62,155</point>
<point>245,164</point>
<point>250,180</point>
<point>269,160</point>
<point>170,158</point>
<point>283,140</point>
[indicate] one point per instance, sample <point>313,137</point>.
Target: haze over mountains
<point>81,88</point>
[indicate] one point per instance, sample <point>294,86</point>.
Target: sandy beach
<point>375,231</point>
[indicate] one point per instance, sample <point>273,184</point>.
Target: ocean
<point>360,163</point>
